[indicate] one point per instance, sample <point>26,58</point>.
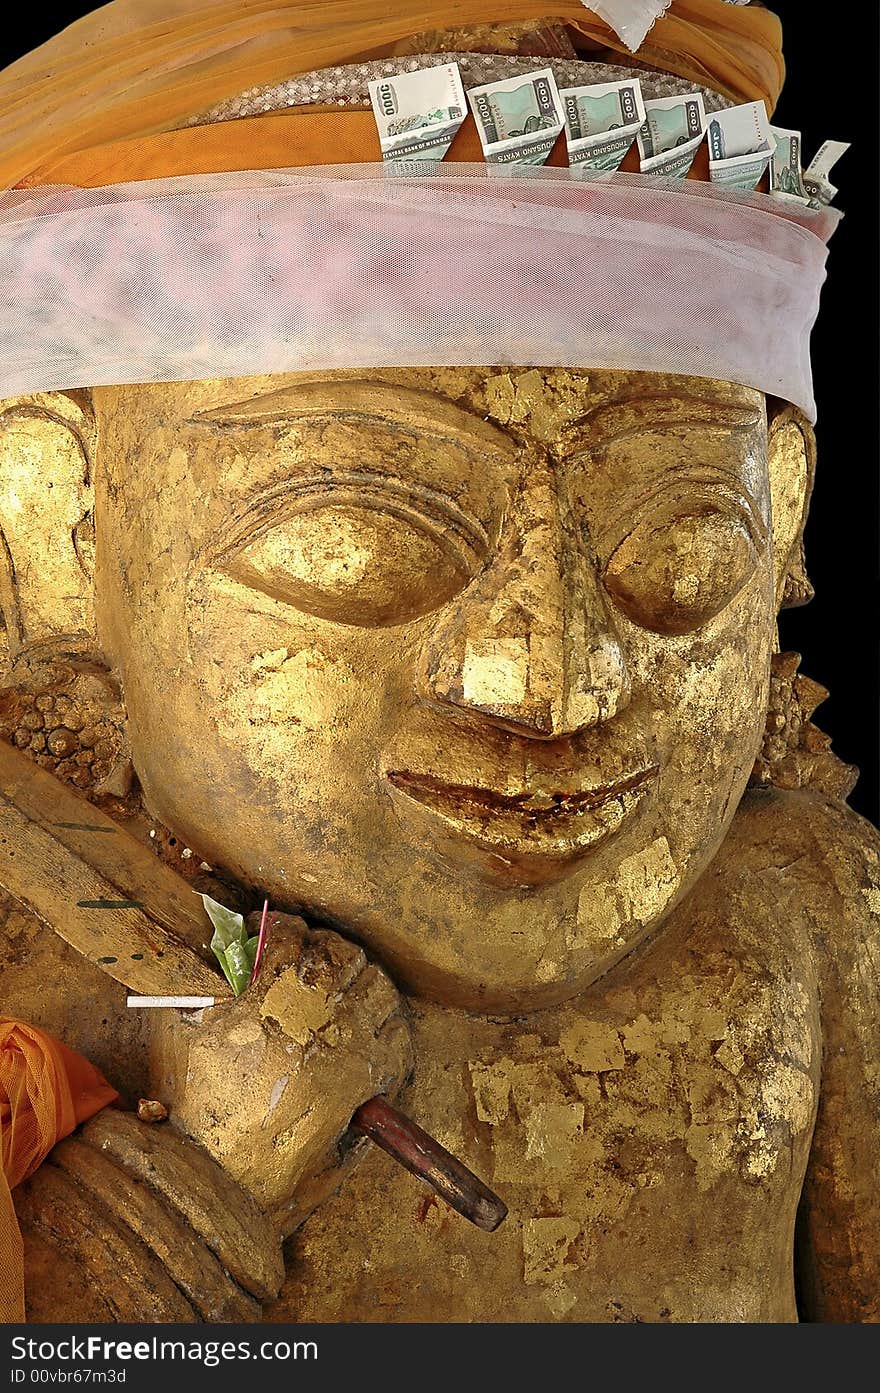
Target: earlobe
<point>59,704</point>
<point>791,460</point>
<point>46,520</point>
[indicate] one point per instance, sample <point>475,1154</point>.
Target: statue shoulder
<point>818,843</point>
<point>825,862</point>
<point>804,870</point>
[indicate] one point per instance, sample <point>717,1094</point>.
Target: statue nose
<point>531,642</point>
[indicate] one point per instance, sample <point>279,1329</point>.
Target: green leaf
<point>251,949</point>
<point>230,944</point>
<point>237,968</point>
<point>228,924</point>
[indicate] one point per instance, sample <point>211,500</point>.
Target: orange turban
<point>138,67</point>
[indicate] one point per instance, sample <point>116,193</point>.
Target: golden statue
<point>476,669</point>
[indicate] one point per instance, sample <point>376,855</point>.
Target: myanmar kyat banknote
<point>671,134</point>
<point>810,185</point>
<point>786,175</point>
<point>740,145</point>
<point>601,122</point>
<point>518,118</point>
<point>418,113</point>
<point>819,188</point>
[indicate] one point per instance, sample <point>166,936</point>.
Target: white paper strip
<point>180,1003</point>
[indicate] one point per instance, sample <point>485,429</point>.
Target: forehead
<point>541,405</point>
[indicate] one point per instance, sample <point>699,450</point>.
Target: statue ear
<point>46,520</point>
<point>791,459</point>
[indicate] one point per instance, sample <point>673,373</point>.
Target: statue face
<point>472,663</point>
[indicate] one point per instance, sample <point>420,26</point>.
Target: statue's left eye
<point>678,568</point>
<point>355,561</point>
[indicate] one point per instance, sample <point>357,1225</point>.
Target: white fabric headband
<point>229,275</point>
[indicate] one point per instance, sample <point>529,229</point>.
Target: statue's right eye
<point>356,559</point>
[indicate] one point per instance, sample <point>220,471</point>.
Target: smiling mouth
<point>535,829</point>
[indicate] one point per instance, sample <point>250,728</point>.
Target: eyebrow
<point>360,398</point>
<point>618,420</point>
<point>713,481</point>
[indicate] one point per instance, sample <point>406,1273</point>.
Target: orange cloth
<point>286,140</point>
<point>46,1090</point>
<point>138,67</point>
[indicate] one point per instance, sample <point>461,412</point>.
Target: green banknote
<point>418,114</point>
<point>671,134</point>
<point>518,118</point>
<point>818,186</point>
<point>601,122</point>
<point>740,145</point>
<point>786,176</point>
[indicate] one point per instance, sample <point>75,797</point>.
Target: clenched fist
<point>268,1083</point>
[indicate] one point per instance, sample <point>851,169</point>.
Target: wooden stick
<point>431,1162</point>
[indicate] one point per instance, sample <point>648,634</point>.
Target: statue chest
<point>649,1139</point>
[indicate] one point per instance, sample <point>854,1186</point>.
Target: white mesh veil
<point>309,269</point>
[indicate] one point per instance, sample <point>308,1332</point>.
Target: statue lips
<point>537,832</point>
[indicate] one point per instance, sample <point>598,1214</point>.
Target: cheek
<point>303,699</point>
<point>707,697</point>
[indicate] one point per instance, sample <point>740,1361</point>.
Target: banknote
<point>818,187</point>
<point>601,122</point>
<point>672,133</point>
<point>786,175</point>
<point>740,145</point>
<point>418,113</point>
<point>518,118</point>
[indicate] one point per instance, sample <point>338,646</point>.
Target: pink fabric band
<point>228,275</point>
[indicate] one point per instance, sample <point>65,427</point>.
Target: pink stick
<point>261,943</point>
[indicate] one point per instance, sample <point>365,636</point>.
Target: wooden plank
<point>99,888</point>
<point>102,843</point>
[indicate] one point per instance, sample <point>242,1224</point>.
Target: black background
<point>830,93</point>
